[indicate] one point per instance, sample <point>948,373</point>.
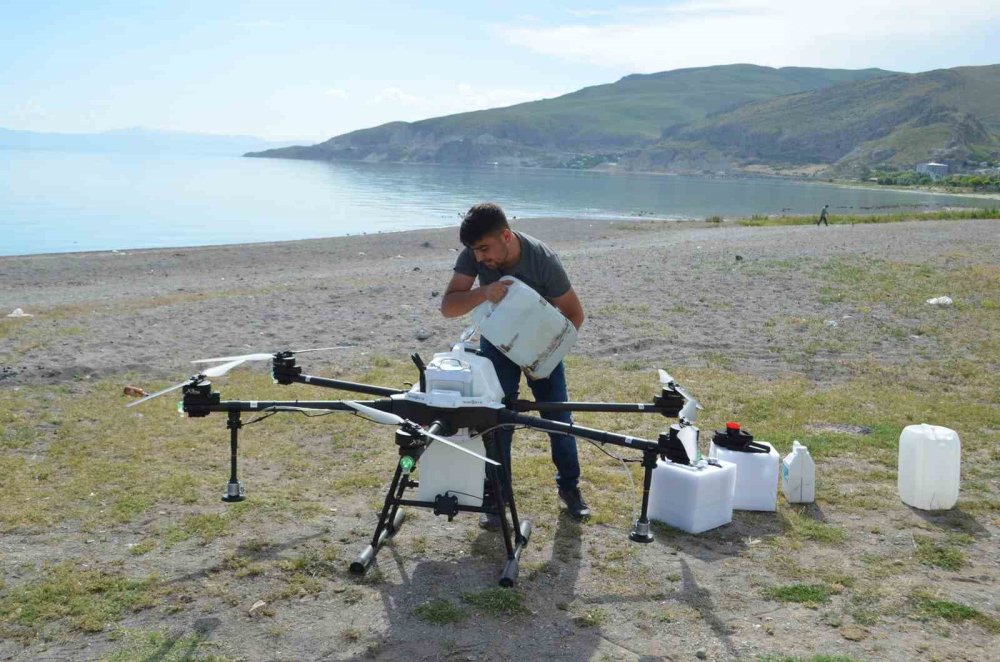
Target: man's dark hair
<point>483,219</point>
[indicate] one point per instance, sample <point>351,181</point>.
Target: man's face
<point>493,250</point>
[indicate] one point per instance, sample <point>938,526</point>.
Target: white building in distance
<point>935,170</point>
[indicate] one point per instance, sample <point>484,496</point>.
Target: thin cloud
<point>778,33</point>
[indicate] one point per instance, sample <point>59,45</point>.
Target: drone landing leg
<point>503,497</point>
<point>640,530</point>
<point>389,521</point>
<point>234,491</point>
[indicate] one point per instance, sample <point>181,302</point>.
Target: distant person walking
<point>822,216</point>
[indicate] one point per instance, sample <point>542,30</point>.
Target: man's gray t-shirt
<point>539,268</point>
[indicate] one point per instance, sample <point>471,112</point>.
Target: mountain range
<point>738,117</point>
<point>135,140</point>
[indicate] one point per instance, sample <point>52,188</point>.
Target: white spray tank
<point>929,467</point>
<point>455,379</point>
<point>756,467</point>
<point>798,475</point>
<point>529,330</point>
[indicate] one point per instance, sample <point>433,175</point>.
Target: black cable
<point>271,411</point>
<point>471,496</point>
<point>259,418</point>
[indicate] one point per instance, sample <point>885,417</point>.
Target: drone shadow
<point>548,632</point>
<point>249,551</point>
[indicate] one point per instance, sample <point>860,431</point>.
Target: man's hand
<point>495,292</point>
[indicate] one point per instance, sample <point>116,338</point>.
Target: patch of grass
<point>803,527</point>
<point>142,547</point>
<point>351,634</point>
<point>206,527</point>
<point>166,647</point>
<point>814,658</point>
<point>590,618</point>
<point>930,606</point>
<point>439,612</point>
<point>939,554</point>
<point>809,595</point>
<point>497,601</point>
<point>88,599</point>
<point>942,215</point>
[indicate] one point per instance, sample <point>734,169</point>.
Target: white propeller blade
<point>377,415</point>
<point>246,357</point>
<point>448,442</point>
<point>220,370</point>
<point>214,371</point>
<point>264,356</point>
<point>157,394</point>
<point>388,418</point>
<point>319,349</point>
<point>690,410</point>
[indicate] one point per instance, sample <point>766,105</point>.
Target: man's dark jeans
<point>550,389</point>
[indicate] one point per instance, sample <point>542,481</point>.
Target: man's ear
<point>506,234</point>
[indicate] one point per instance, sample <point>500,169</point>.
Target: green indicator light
<point>406,462</point>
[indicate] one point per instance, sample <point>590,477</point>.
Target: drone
<point>446,423</point>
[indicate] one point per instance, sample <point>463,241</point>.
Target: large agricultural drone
<point>446,422</point>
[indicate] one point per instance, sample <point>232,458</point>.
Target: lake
<point>53,202</point>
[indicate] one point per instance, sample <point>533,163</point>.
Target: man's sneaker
<point>489,521</point>
<point>575,505</point>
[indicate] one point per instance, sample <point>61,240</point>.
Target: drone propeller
<point>691,407</point>
<point>214,371</point>
<point>388,418</point>
<point>263,356</point>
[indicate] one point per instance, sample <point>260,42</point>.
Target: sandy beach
<point>802,332</point>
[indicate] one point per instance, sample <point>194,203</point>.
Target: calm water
<point>54,202</point>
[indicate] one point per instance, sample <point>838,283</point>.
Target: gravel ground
<point>659,294</point>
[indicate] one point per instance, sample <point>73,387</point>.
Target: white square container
<point>692,498</point>
<point>756,476</point>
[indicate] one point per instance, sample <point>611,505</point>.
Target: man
<point>822,216</point>
<point>492,251</point>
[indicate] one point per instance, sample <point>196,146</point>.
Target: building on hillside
<point>935,170</point>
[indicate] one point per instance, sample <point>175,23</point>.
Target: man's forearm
<point>456,304</point>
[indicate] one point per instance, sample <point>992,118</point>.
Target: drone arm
<point>197,405</point>
<point>354,387</point>
<point>602,436</point>
<point>667,406</point>
<point>285,371</point>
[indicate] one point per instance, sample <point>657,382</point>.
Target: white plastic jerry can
<point>529,330</point>
<point>798,475</point>
<point>756,476</point>
<point>929,467</point>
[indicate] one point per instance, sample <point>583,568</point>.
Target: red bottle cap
<point>732,426</point>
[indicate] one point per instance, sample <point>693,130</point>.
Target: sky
<point>308,70</point>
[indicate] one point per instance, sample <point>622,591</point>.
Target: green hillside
<point>733,117</point>
<point>628,114</point>
<point>949,115</point>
